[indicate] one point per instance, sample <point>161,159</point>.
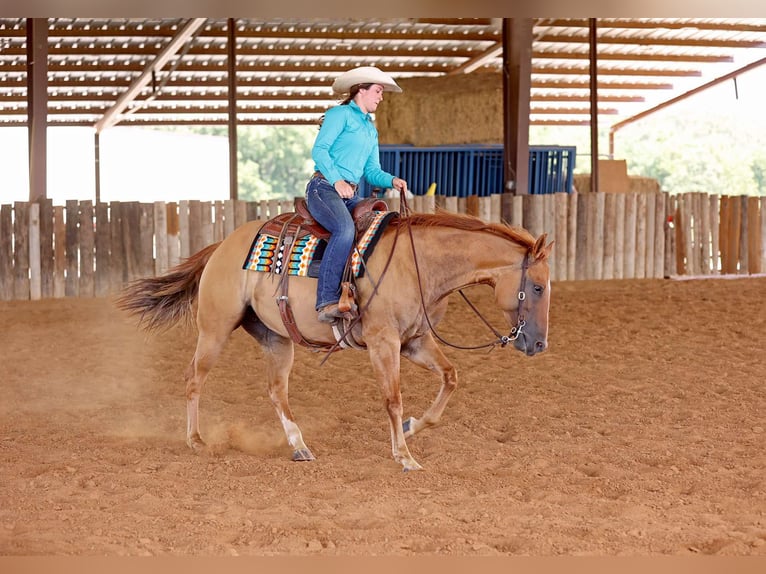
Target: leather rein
<point>500,339</point>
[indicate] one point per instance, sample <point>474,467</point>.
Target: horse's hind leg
<point>214,328</point>
<point>425,352</point>
<point>279,355</point>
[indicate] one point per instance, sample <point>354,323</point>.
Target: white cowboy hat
<point>364,75</point>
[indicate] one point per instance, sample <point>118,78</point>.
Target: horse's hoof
<point>411,465</point>
<point>303,455</point>
<point>407,426</point>
<point>197,444</point>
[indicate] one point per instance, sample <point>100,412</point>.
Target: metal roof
<point>152,71</point>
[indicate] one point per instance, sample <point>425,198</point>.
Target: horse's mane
<point>442,218</point>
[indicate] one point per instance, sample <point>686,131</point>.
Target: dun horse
<point>419,260</point>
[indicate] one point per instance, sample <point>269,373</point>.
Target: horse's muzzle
<point>529,345</point>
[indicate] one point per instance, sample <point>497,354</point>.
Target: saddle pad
<point>268,255</point>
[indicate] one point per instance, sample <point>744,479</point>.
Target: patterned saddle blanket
<point>279,250</point>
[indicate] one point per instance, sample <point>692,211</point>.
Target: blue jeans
<point>334,214</point>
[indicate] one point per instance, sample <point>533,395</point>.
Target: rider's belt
<point>355,186</point>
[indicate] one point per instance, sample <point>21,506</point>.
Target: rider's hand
<point>344,189</point>
<point>399,184</point>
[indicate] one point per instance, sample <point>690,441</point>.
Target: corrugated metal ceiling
<point>285,66</point>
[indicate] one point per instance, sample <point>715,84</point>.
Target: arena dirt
<point>640,432</point>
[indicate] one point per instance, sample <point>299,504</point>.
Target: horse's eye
<point>539,289</point>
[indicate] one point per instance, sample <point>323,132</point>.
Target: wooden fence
<point>86,250</point>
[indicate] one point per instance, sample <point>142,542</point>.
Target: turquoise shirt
<point>346,147</point>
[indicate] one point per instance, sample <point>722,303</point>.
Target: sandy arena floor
<point>640,432</point>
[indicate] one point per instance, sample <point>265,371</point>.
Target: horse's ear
<point>540,250</point>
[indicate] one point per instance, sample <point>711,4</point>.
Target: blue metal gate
<point>474,170</point>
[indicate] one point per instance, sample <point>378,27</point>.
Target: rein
<point>501,339</point>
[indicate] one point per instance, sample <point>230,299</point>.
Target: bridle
<point>500,339</point>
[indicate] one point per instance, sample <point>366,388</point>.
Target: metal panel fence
<point>462,171</point>
<point>86,250</point>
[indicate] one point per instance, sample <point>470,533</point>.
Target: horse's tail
<point>160,302</point>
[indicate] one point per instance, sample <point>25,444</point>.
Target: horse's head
<point>523,293</point>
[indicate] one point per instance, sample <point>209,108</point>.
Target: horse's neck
<point>454,258</point>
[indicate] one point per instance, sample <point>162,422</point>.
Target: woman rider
<point>346,148</point>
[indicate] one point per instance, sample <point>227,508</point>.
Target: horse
<point>420,259</point>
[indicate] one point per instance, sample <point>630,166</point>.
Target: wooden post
<point>196,238</point>
<point>629,262</point>
<point>273,208</point>
<point>35,280</point>
<point>582,241</point>
<point>103,248</point>
<point>495,207</point>
<point>217,218</point>
<point>450,204</point>
<point>517,210</point>
<point>659,235</point>
<point>131,221</point>
<point>763,234</point>
<point>184,233</point>
<point>670,237</point>
<point>610,225</point>
<point>715,238</point>
<point>562,236</point>
<point>732,239</point>
<point>146,240</point>
<point>572,208</point>
<point>704,234</point>
<point>534,223</point>
<point>695,208</point>
<point>87,248</point>
<point>46,247</point>
<point>174,243</point>
<point>211,223</point>
<point>240,213</point>
<point>429,206</point>
<point>72,283</point>
<point>650,235</point>
<point>471,205</point>
<point>597,236</point>
<point>252,210</point>
<point>6,252</point>
<point>640,254</point>
<point>619,235</point>
<point>59,252</point>
<point>723,233</point>
<point>681,238</point>
<point>742,246</point>
<point>754,235</point>
<point>160,237</point>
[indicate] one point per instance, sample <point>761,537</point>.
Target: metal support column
<point>517,74</point>
<point>593,105</point>
<point>37,106</point>
<point>232,78</point>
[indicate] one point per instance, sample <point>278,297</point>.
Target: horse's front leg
<point>384,356</point>
<point>425,353</point>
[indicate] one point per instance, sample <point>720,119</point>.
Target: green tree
<point>758,167</point>
<point>273,162</point>
<point>276,160</point>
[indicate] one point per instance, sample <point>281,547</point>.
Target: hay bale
<point>445,110</point>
